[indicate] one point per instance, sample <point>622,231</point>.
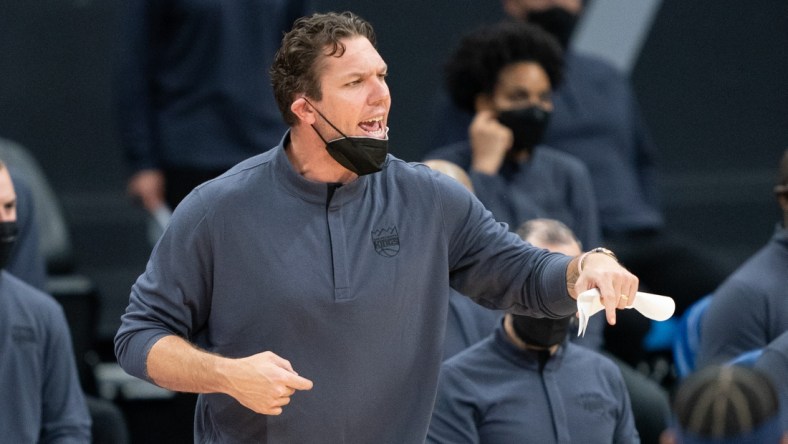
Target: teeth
<point>374,126</point>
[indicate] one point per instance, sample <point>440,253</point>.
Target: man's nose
<point>380,91</point>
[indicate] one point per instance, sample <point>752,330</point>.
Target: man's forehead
<point>358,53</point>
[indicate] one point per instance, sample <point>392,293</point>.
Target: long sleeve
<point>749,309</point>
<point>487,262</point>
<point>172,297</point>
<point>133,85</point>
<point>733,323</point>
<point>255,260</point>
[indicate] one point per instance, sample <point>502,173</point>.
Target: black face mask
<point>8,235</point>
<point>361,155</point>
<point>557,21</point>
<point>527,124</point>
<point>540,332</point>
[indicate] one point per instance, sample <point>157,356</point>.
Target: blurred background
<point>710,76</point>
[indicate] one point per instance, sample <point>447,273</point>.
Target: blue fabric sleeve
<point>732,324</point>
<point>176,305</point>
<point>494,266</point>
<point>136,118</point>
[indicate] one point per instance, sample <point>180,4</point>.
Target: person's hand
<point>490,141</point>
<point>616,285</point>
<point>264,382</point>
<point>148,187</point>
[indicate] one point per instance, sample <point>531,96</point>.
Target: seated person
<point>526,376</point>
<point>26,261</point>
<point>505,74</point>
<point>598,120</point>
<point>468,322</point>
<point>42,400</point>
<point>750,309</point>
<point>726,405</point>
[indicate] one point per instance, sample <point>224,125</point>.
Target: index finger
<point>610,301</point>
<point>298,382</point>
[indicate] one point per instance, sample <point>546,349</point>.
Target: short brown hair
<point>297,62</point>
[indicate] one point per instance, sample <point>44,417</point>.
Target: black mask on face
<point>527,124</point>
<point>557,21</point>
<point>361,155</point>
<point>540,332</point>
<point>8,235</point>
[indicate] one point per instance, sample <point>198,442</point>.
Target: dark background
<point>711,79</point>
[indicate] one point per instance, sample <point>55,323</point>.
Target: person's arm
<point>263,382</point>
<point>499,270</point>
<point>64,418</point>
<point>732,324</point>
<point>170,302</point>
<point>132,82</point>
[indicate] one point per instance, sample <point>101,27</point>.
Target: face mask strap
<point>327,121</point>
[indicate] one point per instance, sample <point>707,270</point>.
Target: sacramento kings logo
<point>386,241</point>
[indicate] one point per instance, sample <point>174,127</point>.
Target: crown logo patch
<point>386,241</point>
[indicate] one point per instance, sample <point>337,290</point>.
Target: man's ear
<point>303,110</point>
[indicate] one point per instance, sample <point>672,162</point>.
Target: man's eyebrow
<point>384,68</point>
